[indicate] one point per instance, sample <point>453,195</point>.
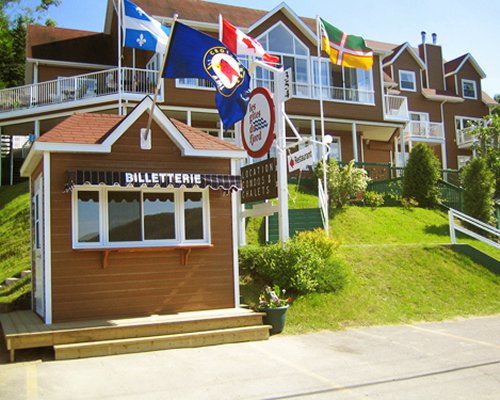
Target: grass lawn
<point>14,238</point>
<point>394,284</point>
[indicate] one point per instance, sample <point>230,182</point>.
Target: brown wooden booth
<point>127,224</point>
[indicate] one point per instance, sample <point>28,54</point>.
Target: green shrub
<point>479,187</point>
<point>421,176</point>
<point>374,199</point>
<point>305,264</point>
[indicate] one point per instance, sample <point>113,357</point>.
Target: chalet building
<point>83,109</point>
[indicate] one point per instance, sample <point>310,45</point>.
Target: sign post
<point>279,84</point>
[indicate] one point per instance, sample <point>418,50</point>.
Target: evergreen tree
<point>479,185</point>
<point>421,176</point>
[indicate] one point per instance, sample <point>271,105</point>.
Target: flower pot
<point>276,317</point>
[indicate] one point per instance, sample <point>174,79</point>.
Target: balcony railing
<point>466,137</point>
<point>77,88</point>
<point>396,108</point>
<point>424,130</point>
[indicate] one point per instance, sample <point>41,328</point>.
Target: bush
<point>479,187</point>
<point>343,183</point>
<point>305,264</point>
<point>374,199</point>
<point>421,177</point>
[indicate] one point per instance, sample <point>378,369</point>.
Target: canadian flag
<point>239,43</point>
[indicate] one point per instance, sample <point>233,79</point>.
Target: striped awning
<point>152,179</point>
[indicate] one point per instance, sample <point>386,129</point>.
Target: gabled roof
<point>96,133</point>
<point>453,66</point>
<point>82,128</point>
<point>398,51</point>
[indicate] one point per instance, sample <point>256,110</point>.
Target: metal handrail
<point>452,214</point>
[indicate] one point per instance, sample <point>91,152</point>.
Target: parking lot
<point>447,360</point>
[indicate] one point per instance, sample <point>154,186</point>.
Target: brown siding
<point>432,55</point>
<point>416,101</point>
<point>469,108</point>
<point>145,283</point>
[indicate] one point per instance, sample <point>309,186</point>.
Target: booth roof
<point>92,128</point>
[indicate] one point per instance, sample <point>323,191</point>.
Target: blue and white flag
<point>193,54</point>
<point>140,31</point>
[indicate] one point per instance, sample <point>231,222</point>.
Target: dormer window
<point>407,80</point>
<point>469,89</point>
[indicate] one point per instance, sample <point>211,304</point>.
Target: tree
<point>421,176</point>
<point>479,185</point>
<point>14,17</point>
<point>487,145</point>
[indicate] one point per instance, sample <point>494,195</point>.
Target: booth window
<point>109,217</point>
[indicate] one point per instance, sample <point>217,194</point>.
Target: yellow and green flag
<point>346,50</point>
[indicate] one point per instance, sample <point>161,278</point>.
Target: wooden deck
<point>24,329</point>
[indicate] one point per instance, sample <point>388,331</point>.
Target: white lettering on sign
<point>300,159</point>
<point>287,84</point>
<point>162,178</point>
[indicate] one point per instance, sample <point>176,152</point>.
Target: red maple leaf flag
<point>239,43</point>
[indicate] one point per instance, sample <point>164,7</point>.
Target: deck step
<point>165,342</point>
<point>10,281</point>
<point>26,272</point>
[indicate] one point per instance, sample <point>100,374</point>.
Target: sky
<point>462,26</point>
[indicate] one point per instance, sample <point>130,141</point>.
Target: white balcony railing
<point>465,137</point>
<point>424,130</point>
<point>77,88</point>
<point>396,108</point>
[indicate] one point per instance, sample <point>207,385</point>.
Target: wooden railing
<point>77,88</point>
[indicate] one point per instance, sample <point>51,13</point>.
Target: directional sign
<point>300,159</point>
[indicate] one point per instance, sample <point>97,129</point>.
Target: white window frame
<point>414,79</point>
<point>474,85</point>
<point>264,40</point>
<point>104,225</point>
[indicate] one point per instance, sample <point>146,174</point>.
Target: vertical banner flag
<point>140,31</point>
<point>346,50</point>
<point>239,43</point>
<point>193,54</point>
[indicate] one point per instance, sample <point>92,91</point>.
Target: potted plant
<point>274,303</point>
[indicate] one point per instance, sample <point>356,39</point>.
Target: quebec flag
<point>193,54</point>
<point>140,31</point>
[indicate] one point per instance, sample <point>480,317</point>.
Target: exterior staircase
<point>23,329</point>
<point>304,219</point>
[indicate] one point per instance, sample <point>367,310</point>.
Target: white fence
<point>454,214</point>
<point>425,130</point>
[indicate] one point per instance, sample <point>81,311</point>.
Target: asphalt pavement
<point>457,359</point>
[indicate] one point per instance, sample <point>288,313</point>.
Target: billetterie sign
<point>162,178</point>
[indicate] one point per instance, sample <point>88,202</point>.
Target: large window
<point>128,218</point>
<point>281,42</point>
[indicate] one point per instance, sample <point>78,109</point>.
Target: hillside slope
<point>14,239</point>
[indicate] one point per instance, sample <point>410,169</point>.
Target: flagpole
<point>159,81</point>
<point>119,77</point>
<point>322,123</point>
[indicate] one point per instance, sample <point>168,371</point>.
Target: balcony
<point>466,138</point>
<point>67,92</point>
<point>424,131</point>
<point>396,108</point>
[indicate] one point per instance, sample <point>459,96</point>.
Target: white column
<point>444,155</point>
<point>403,145</point>
<point>396,151</point>
<point>36,129</point>
<point>11,160</point>
<point>188,117</point>
<point>47,251</point>
<point>362,149</point>
<point>355,142</point>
